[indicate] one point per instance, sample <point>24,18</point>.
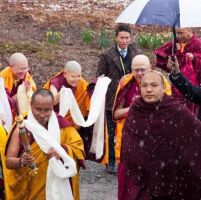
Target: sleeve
<point>191,92</point>
<point>73,143</point>
<point>102,66</point>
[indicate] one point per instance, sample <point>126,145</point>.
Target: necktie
<point>123,52</point>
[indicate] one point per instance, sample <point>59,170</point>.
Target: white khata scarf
<point>58,173</point>
<point>5,110</point>
<point>96,112</point>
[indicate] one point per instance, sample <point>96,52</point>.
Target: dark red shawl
<point>161,149</point>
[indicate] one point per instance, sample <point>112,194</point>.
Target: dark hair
<point>43,92</point>
<point>121,28</point>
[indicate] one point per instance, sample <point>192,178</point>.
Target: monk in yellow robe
<point>127,92</point>
<point>23,185</point>
<point>71,77</point>
<point>17,73</point>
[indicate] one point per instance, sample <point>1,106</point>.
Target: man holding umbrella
<point>188,52</point>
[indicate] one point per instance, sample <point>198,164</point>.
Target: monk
<point>71,77</point>
<point>188,52</point>
<point>47,152</point>
<point>17,73</point>
<point>160,146</point>
<point>128,91</point>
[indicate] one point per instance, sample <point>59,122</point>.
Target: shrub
<point>87,36</point>
<point>53,37</point>
<point>104,39</point>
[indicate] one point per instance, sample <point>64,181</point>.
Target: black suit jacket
<point>110,65</point>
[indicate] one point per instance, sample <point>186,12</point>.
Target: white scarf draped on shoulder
<point>58,173</point>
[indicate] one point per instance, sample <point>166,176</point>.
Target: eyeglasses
<point>21,68</point>
<point>142,70</point>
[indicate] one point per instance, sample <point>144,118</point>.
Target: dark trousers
<point>111,134</point>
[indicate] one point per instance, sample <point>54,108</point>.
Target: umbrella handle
<point>174,41</point>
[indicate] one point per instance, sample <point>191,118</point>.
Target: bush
<point>53,37</point>
<point>104,39</point>
<point>87,36</point>
<point>149,41</point>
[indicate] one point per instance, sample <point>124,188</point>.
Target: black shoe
<point>111,169</point>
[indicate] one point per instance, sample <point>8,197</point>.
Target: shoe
<point>111,169</point>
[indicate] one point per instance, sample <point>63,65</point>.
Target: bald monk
<point>17,73</point>
<point>127,92</point>
<point>71,77</point>
<point>160,147</point>
<point>54,145</point>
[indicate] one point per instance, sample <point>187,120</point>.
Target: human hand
<point>52,153</point>
<point>173,65</point>
<point>27,85</point>
<point>26,159</point>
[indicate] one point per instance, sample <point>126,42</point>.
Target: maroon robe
<point>161,148</point>
<point>192,71</point>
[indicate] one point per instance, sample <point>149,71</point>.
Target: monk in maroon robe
<point>160,147</point>
<point>188,52</point>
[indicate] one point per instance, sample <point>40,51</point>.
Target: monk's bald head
<point>140,65</point>
<point>152,87</point>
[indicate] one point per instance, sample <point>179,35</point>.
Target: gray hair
<point>72,66</point>
<point>18,57</point>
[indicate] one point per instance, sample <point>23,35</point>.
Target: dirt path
<point>96,184</point>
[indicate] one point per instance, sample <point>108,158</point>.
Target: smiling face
<point>152,87</point>
<point>72,78</point>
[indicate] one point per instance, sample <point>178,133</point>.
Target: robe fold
<point>2,160</point>
<point>24,186</point>
<point>161,151</point>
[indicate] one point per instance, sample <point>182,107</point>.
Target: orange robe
<point>120,122</point>
<point>24,186</point>
<point>7,75</point>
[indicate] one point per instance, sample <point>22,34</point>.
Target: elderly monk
<point>188,52</point>
<point>42,117</point>
<point>128,91</point>
<point>17,73</point>
<point>160,147</point>
<point>71,77</point>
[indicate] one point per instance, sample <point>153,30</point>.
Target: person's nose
<point>149,88</point>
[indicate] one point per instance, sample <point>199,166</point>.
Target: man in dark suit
<point>115,63</point>
<point>191,92</point>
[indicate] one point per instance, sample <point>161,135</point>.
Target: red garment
<point>191,72</point>
<point>161,150</point>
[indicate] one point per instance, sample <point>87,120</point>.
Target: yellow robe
<point>23,186</point>
<point>120,122</point>
<point>2,155</point>
<point>7,75</point>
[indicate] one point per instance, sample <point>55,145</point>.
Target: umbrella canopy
<point>179,13</point>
